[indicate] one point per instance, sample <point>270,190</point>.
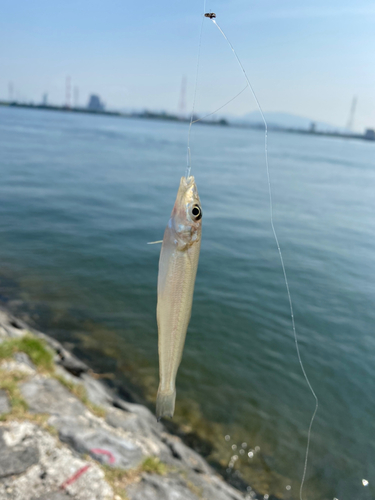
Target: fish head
<point>186,218</point>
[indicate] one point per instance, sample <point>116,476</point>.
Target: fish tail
<point>165,401</point>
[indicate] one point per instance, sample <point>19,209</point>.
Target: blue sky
<point>308,58</point>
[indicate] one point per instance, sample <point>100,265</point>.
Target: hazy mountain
<point>285,120</point>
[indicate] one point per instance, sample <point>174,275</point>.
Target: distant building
<point>95,104</point>
<point>45,99</point>
<point>370,134</point>
<point>223,121</point>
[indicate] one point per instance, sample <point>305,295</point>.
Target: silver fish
<point>177,270</point>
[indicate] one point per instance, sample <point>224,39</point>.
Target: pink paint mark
<point>75,476</point>
<point>100,451</point>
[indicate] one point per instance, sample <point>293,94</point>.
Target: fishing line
<point>221,107</point>
<point>279,251</point>
<point>188,168</point>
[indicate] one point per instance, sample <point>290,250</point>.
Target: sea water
<point>80,197</point>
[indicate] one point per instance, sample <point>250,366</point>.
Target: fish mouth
<point>188,182</point>
<point>189,189</point>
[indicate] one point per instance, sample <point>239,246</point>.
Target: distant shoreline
<point>368,136</point>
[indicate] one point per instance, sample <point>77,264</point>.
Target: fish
<point>178,265</point>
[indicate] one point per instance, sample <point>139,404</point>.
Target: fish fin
<point>165,404</point>
<point>154,242</point>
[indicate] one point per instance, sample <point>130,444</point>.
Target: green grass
<point>9,382</point>
<point>35,348</point>
<point>119,479</point>
<point>154,466</point>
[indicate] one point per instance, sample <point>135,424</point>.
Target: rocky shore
<point>64,434</point>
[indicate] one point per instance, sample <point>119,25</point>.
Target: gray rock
<point>96,391</point>
<point>2,442</point>
<point>11,327</point>
<point>147,433</point>
<point>71,363</point>
<point>68,377</point>
<point>133,422</point>
<point>143,413</point>
<point>101,444</point>
<point>4,402</point>
<point>47,395</point>
<point>12,365</point>
<point>16,460</point>
<point>57,466</point>
<point>23,358</point>
<point>225,489</point>
<point>186,455</point>
<point>56,495</point>
<point>153,487</point>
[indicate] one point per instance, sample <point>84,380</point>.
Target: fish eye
<point>197,212</point>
